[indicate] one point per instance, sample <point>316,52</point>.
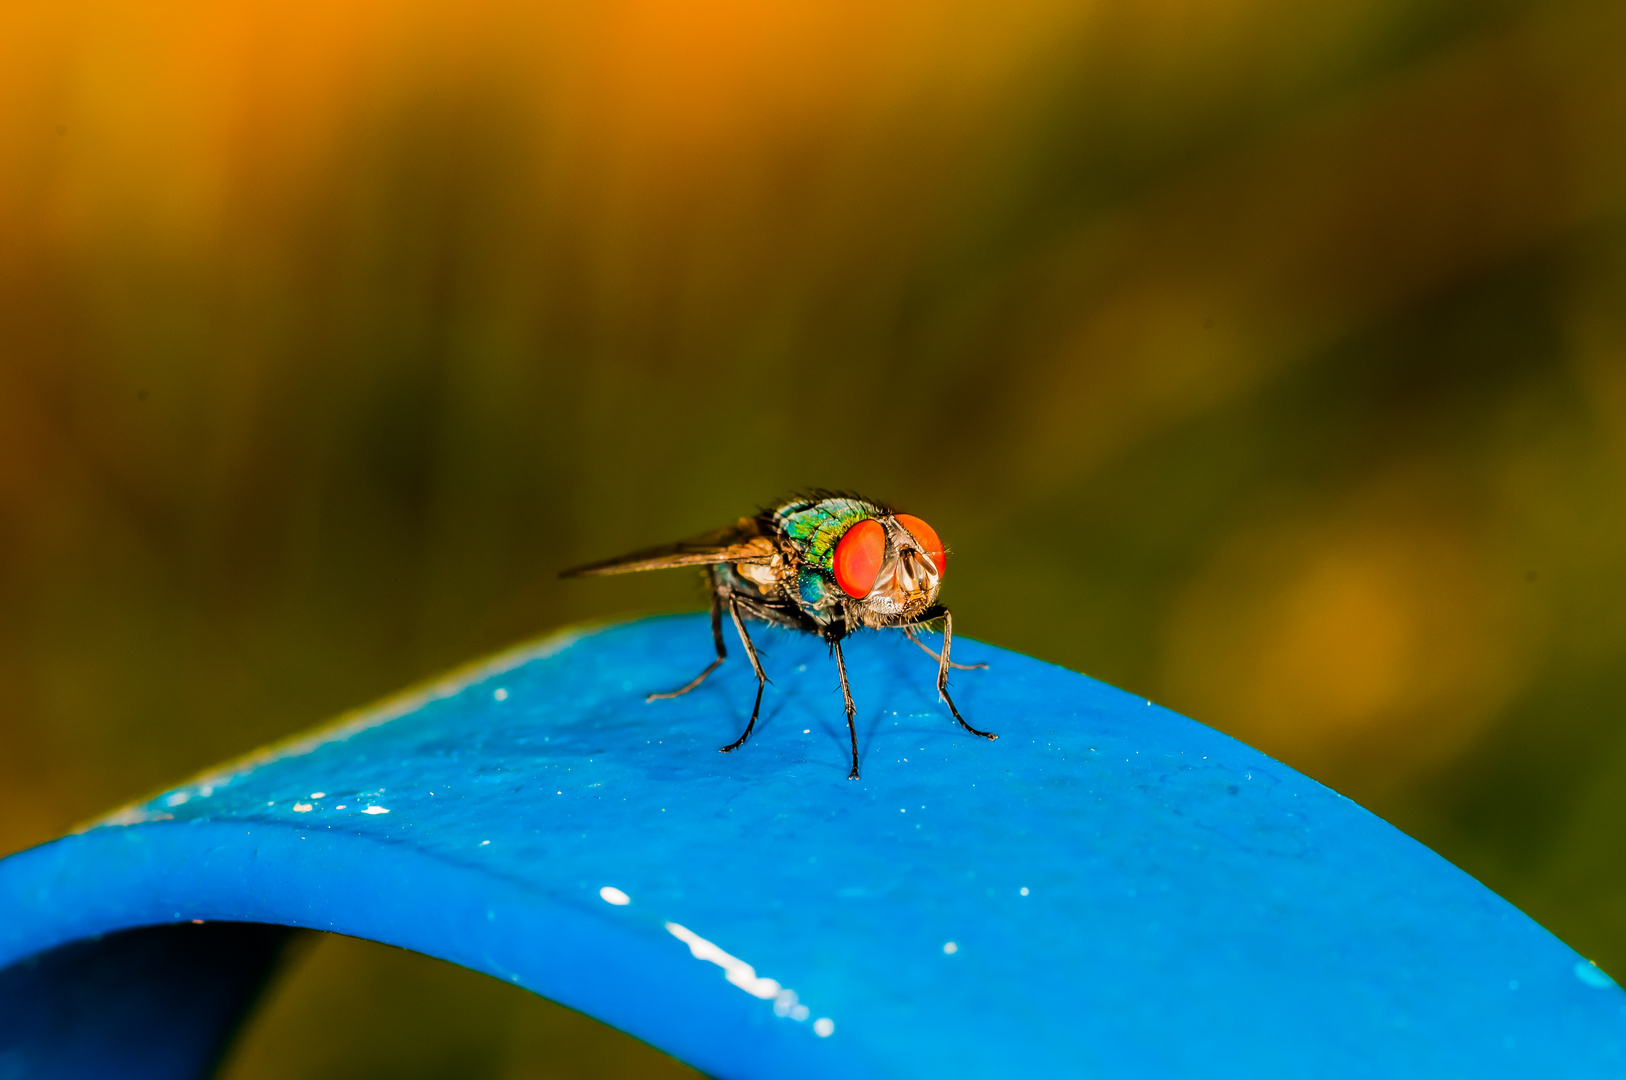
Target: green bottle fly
<point>823,564</point>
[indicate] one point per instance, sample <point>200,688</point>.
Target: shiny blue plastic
<point>1109,889</point>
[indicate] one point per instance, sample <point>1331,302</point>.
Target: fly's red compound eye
<point>926,537</point>
<point>859,555</point>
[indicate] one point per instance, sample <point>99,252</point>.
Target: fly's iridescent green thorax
<point>815,526</point>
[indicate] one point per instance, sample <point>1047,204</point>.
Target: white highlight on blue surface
<point>785,1004</point>
<point>500,694</point>
<point>611,895</point>
<point>375,810</point>
<point>1592,975</point>
<point>303,807</point>
<point>949,948</point>
<point>735,970</point>
<point>824,1027</point>
<point>318,794</point>
<point>1024,890</point>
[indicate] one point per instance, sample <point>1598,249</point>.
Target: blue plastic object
<point>1108,890</point>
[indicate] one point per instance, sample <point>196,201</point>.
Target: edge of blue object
<point>1109,889</point>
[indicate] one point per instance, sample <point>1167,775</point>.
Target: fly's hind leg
<point>722,651</point>
<point>756,666</point>
<point>847,700</point>
<point>942,678</point>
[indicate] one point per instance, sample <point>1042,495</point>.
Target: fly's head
<point>891,566</point>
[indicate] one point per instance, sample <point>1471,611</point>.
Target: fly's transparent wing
<point>741,542</point>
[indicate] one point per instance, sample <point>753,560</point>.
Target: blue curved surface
<point>1127,892</point>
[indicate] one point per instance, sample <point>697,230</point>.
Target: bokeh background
<point>1265,358</point>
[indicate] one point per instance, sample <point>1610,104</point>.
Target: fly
<point>823,564</point>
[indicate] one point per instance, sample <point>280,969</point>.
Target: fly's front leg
<point>847,699</point>
<point>909,632</point>
<point>756,666</point>
<point>942,678</point>
<point>716,637</point>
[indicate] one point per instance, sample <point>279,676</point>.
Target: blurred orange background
<point>1266,359</point>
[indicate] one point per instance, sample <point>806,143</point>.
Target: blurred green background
<point>1265,358</point>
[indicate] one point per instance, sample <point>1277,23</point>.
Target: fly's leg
<point>943,666</point>
<point>722,652</point>
<point>756,666</point>
<point>909,632</point>
<point>847,699</point>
